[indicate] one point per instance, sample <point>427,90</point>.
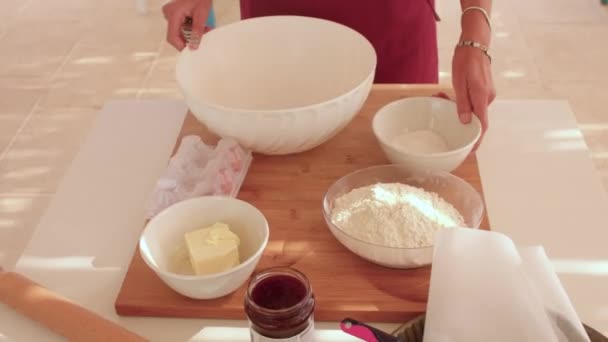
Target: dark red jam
<point>278,292</point>
<point>280,303</point>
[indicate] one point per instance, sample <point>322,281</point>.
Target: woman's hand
<point>176,12</point>
<point>473,85</point>
<point>471,69</point>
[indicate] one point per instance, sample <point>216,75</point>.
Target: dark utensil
<point>187,29</point>
<point>413,331</point>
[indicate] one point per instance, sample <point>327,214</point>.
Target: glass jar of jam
<point>280,305</point>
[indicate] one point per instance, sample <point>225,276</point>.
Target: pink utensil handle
<point>365,332</point>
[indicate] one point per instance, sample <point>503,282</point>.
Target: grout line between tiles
<point>20,129</point>
<point>36,105</point>
<point>140,91</point>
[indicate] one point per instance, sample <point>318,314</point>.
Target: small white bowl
<point>425,113</point>
<point>164,236</point>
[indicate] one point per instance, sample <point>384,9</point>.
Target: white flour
<point>394,214</point>
<point>423,141</point>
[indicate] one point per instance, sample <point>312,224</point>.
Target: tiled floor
<point>61,60</point>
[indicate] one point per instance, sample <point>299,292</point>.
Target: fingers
<point>480,98</point>
<point>200,15</point>
<point>175,19</point>
<point>166,9</point>
<point>472,81</point>
<point>463,103</point>
<point>195,39</point>
<point>491,96</point>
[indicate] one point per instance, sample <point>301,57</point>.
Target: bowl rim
<point>327,212</point>
<point>382,139</point>
<point>232,270</point>
<point>189,97</point>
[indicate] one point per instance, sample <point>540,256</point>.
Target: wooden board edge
<point>123,310</point>
<point>128,310</point>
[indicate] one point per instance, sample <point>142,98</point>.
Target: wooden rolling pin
<point>57,313</point>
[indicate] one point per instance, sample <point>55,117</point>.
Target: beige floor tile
<point>569,52</point>
<point>92,11</point>
<point>9,11</point>
<point>588,100</point>
<point>590,106</point>
<point>65,9</point>
<point>10,7</point>
<point>33,50</point>
<point>517,69</point>
<point>445,66</point>
<point>121,6</point>
<point>93,75</point>
<point>34,68</point>
<point>227,11</point>
<point>522,90</point>
<point>9,125</point>
<point>19,215</point>
<point>450,10</point>
<point>560,11</point>
<point>161,81</point>
<point>17,100</point>
<point>601,165</point>
<point>40,154</point>
<point>597,140</point>
<point>125,29</point>
<point>108,23</point>
<point>448,33</point>
<point>26,83</point>
<point>15,104</point>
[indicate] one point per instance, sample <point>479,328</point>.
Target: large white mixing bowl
<point>279,84</point>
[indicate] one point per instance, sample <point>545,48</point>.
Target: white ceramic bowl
<point>164,236</point>
<point>453,189</point>
<point>424,113</point>
<point>278,84</point>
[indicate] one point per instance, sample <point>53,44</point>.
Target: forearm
<point>473,23</point>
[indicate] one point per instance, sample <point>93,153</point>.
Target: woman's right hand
<point>176,12</point>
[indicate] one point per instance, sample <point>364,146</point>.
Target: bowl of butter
<point>205,247</point>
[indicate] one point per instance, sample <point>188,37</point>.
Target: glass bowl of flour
<point>425,133</point>
<point>391,215</point>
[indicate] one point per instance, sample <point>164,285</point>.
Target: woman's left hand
<point>473,85</point>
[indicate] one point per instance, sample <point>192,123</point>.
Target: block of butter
<point>213,249</point>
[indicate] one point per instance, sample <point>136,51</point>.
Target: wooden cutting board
<point>289,191</point>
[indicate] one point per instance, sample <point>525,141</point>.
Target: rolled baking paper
<point>57,313</point>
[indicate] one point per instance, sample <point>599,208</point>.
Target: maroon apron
<point>403,32</point>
